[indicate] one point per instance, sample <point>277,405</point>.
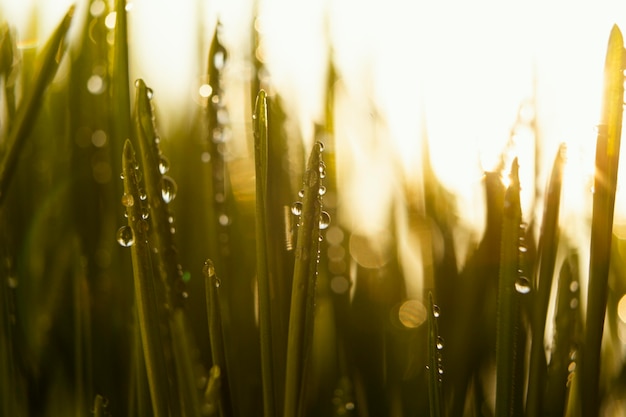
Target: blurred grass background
<point>201,318</point>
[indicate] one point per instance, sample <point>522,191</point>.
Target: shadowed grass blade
<point>262,269</point>
<point>435,367</point>
<point>212,283</point>
<point>135,235</point>
<point>47,64</point>
<point>605,184</point>
<point>183,352</point>
<point>567,323</point>
<point>508,302</point>
<point>548,244</point>
<point>212,392</point>
<point>99,406</point>
<point>304,275</point>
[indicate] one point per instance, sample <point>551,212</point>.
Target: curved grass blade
<point>262,269</point>
<point>605,184</point>
<point>508,302</point>
<point>435,369</point>
<point>145,293</point>
<point>567,323</point>
<point>47,64</point>
<point>222,398</point>
<point>304,275</point>
<point>548,244</point>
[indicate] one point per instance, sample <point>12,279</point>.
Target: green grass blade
<point>567,324</point>
<point>548,244</point>
<point>99,406</point>
<point>216,337</point>
<point>183,353</point>
<point>47,64</point>
<point>607,158</point>
<point>212,392</point>
<point>160,190</point>
<point>305,270</point>
<point>262,270</point>
<point>8,67</point>
<point>435,367</point>
<point>508,315</point>
<point>145,293</point>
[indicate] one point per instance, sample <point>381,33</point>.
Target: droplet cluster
<point>522,282</point>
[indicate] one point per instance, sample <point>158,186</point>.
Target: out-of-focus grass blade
<point>605,184</point>
<point>100,406</point>
<point>216,337</point>
<point>8,69</point>
<point>262,270</point>
<point>567,323</point>
<point>135,235</point>
<point>183,352</point>
<point>47,64</point>
<point>548,244</point>
<point>212,392</point>
<point>305,270</point>
<point>435,367</point>
<point>508,302</point>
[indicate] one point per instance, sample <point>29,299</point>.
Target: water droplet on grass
<point>164,164</point>
<point>324,220</point>
<point>436,311</point>
<point>296,208</point>
<point>128,200</point>
<point>439,343</point>
<point>320,145</point>
<point>522,285</point>
<point>301,193</point>
<point>208,269</point>
<point>322,190</point>
<point>168,189</point>
<point>125,236</point>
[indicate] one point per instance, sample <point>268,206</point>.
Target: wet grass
<point>229,290</point>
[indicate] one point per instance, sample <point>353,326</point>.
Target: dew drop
<point>523,249</point>
<point>324,220</point>
<point>145,213</point>
<point>168,189</point>
<point>12,282</point>
<point>322,190</point>
<point>439,343</point>
<point>573,286</point>
<point>436,311</point>
<point>170,219</point>
<point>320,145</point>
<point>522,285</point>
<point>223,219</point>
<point>128,200</point>
<point>121,175</point>
<point>301,193</point>
<point>208,269</point>
<point>149,93</point>
<point>440,370</point>
<point>217,282</point>
<point>125,236</point>
<point>296,208</point>
<point>322,169</point>
<point>573,303</point>
<point>349,406</point>
<point>142,194</point>
<point>164,164</point>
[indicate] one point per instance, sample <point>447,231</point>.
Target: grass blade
<point>567,323</point>
<point>435,369</point>
<point>262,270</point>
<point>99,406</point>
<point>212,283</point>
<point>548,244</point>
<point>190,402</point>
<point>304,275</point>
<point>145,294</point>
<point>47,64</point>
<point>605,184</point>
<point>508,302</point>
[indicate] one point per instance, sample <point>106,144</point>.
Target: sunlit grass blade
<point>508,301</point>
<point>135,235</point>
<point>567,324</point>
<point>212,282</point>
<point>435,366</point>
<point>8,67</point>
<point>262,270</point>
<point>212,395</point>
<point>305,270</point>
<point>47,64</point>
<point>548,244</point>
<point>605,184</point>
